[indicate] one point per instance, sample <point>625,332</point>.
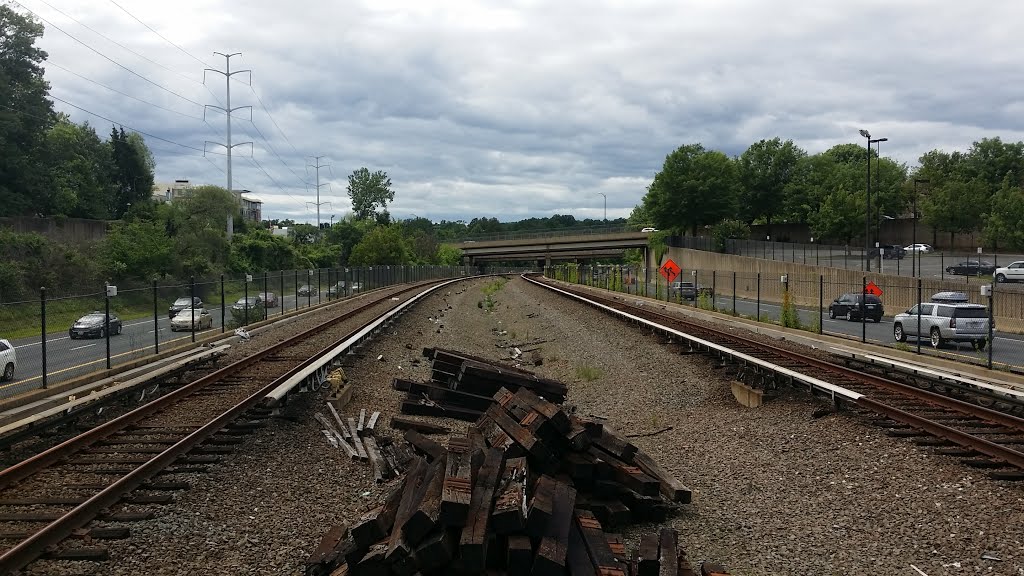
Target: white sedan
<point>189,317</point>
<point>923,248</point>
<point>8,359</point>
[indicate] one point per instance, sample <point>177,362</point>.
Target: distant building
<point>252,209</point>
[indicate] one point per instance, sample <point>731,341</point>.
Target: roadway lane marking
<point>86,346</point>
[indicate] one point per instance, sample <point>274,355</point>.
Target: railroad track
<point>980,436</point>
<point>119,470</point>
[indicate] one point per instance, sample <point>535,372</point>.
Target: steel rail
<point>996,451</point>
<point>31,548</point>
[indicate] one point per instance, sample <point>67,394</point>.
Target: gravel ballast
<point>775,490</point>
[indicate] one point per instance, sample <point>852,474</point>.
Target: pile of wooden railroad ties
<point>529,489</point>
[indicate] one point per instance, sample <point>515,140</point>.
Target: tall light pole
<point>916,258</point>
<point>867,214</point>
<point>878,188</point>
<point>605,207</point>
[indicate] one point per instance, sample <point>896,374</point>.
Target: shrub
<point>789,316</point>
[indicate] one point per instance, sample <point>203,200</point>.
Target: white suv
<point>1012,273</point>
<point>8,360</point>
<point>944,322</point>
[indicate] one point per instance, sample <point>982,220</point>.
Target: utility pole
<point>317,165</point>
<point>227,110</point>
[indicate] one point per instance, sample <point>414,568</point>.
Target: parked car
<point>922,248</point>
<point>889,252</point>
<point>257,311</point>
<point>307,290</point>
<point>943,322</point>
<point>269,299</point>
<point>688,290</point>
<point>649,229</point>
<point>200,318</point>
<point>183,303</point>
<point>8,359</point>
<point>972,268</point>
<point>336,289</point>
<point>1012,273</point>
<point>849,306</point>
<point>92,325</point>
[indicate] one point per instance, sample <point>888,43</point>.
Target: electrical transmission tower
<point>227,110</point>
<point>318,203</point>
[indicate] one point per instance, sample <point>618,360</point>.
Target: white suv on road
<point>8,360</point>
<point>1012,273</point>
<point>944,322</point>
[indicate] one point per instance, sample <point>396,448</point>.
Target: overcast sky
<point>513,108</point>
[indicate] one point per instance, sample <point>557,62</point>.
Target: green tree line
<point>772,181</point>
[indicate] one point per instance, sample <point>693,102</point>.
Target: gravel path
<point>775,491</point>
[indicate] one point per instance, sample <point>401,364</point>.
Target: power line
<point>164,38</point>
<point>69,71</point>
<point>111,60</point>
<point>147,134</point>
<point>267,142</point>
<point>267,174</point>
<point>265,109</point>
<point>116,43</point>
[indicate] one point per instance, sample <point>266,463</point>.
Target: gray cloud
<point>517,109</point>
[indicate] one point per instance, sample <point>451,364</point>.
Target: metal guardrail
<point>527,235</point>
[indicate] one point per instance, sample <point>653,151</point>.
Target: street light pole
<point>605,207</point>
<point>867,214</point>
<point>878,188</point>
<point>916,260</point>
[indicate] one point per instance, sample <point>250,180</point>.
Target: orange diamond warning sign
<point>873,289</point>
<point>669,270</point>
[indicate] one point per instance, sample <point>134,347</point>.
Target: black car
<point>92,325</point>
<point>889,252</point>
<point>849,306</point>
<point>688,290</point>
<point>183,303</point>
<point>972,268</point>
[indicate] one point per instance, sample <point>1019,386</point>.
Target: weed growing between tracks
<point>588,373</point>
<point>489,291</point>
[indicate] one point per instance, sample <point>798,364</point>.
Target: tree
<point>765,170</point>
<point>198,225</point>
<point>369,192</point>
<point>956,206</point>
<point>132,171</point>
<point>639,217</point>
<point>384,245</point>
<point>448,255</point>
<point>138,250</point>
<point>25,115</point>
<point>839,217</point>
<point>1004,225</point>
<point>261,250</point>
<point>78,172</point>
<point>729,230</point>
<point>694,188</point>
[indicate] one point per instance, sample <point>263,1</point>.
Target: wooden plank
<point>404,423</point>
<point>552,412</point>
<point>362,422</point>
<point>708,568</point>
<point>425,516</point>
<point>375,525</point>
<point>380,468</point>
<point>456,491</point>
<point>520,555</point>
<point>398,551</point>
<point>551,553</point>
<point>617,544</point>
<point>371,424</point>
<point>527,441</point>
<point>323,557</point>
<point>448,397</point>
<point>416,407</point>
<point>509,515</point>
<point>339,438</point>
<point>341,423</point>
<point>357,443</point>
<point>611,513</point>
<point>538,515</point>
<point>614,444</point>
<point>628,475</point>
<point>473,543</point>
<point>429,448</point>
<point>649,561</point>
<point>436,552</point>
<point>597,548</point>
<point>672,488</point>
<point>667,553</point>
<point>577,559</point>
<point>495,436</point>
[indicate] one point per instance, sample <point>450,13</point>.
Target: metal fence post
<point>918,315</point>
<point>296,289</point>
<point>106,319</point>
<point>991,321</point>
<point>42,340</point>
<point>282,293</point>
<point>156,321</point>
<point>821,301</point>
<point>192,293</point>
<point>942,265</point>
<point>246,299</point>
<point>319,283</point>
<point>713,291</point>
<point>309,294</point>
<point>223,307</point>
<point>734,293</point>
<point>864,310</point>
<point>266,288</point>
<point>758,297</point>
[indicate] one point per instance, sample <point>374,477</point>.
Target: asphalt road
<point>67,358</point>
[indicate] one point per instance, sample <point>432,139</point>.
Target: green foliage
<point>261,250</point>
<point>705,301</point>
<point>1004,225</point>
<point>694,188</point>
<point>29,261</point>
<point>902,346</point>
<point>766,168</point>
<point>789,317</point>
<point>369,193</point>
<point>137,250</point>
<point>383,245</point>
<point>448,255</point>
<point>956,206</point>
<point>588,373</point>
<point>840,216</point>
<point>727,230</point>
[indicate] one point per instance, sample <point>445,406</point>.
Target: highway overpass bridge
<point>544,250</point>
